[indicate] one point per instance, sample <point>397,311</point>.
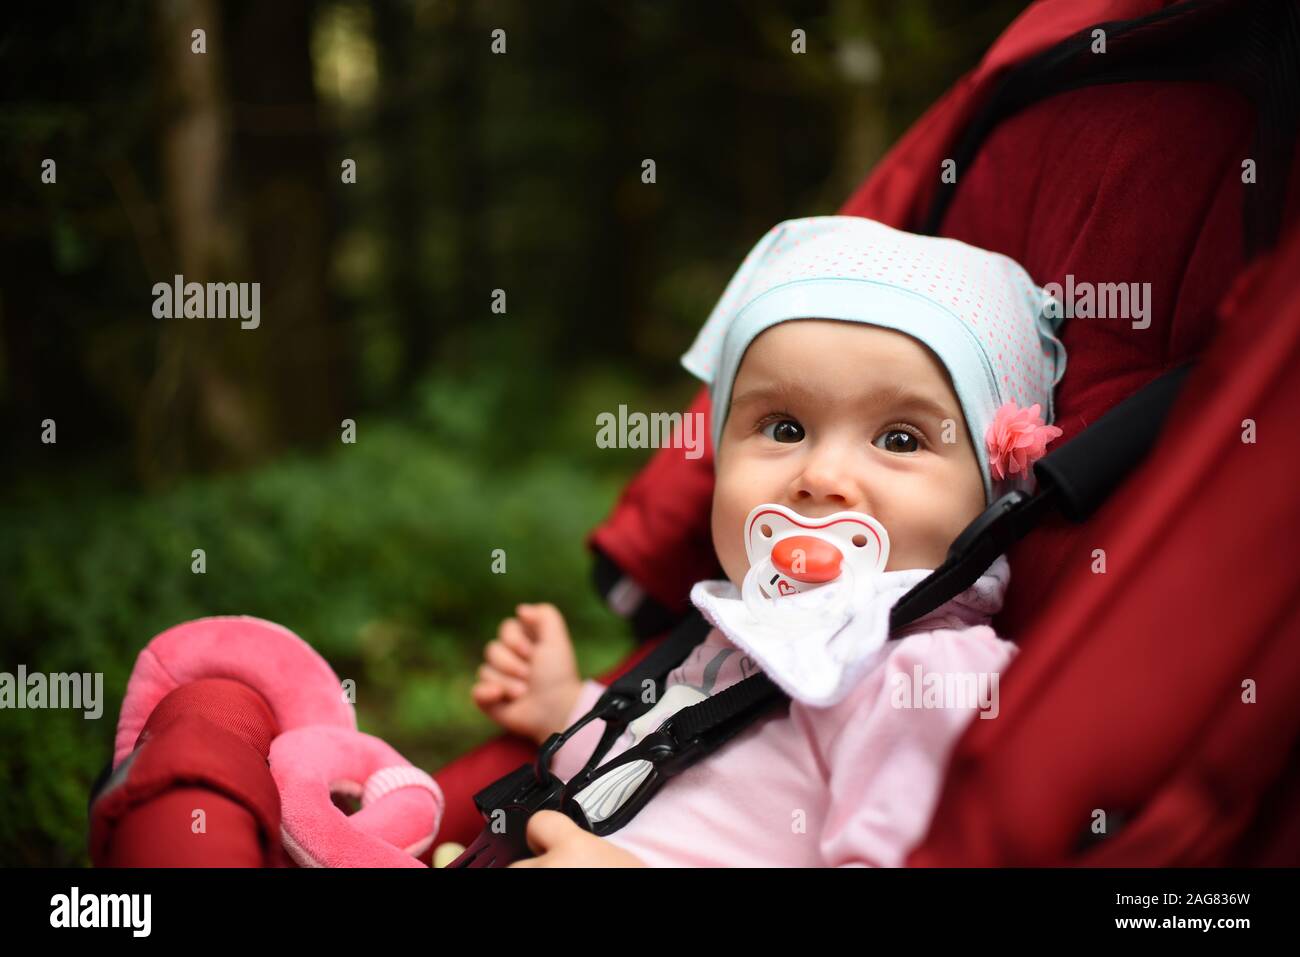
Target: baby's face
<point>833,416</point>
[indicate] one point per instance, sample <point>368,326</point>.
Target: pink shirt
<point>854,784</point>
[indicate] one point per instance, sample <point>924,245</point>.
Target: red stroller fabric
<point>203,748</point>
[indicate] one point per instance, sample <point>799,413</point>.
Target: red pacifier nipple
<point>790,554</point>
<point>807,559</point>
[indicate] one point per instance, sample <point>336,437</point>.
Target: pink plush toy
<point>318,753</point>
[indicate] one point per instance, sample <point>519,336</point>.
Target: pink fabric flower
<point>1016,439</point>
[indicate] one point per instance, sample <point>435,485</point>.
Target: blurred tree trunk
<point>288,168</point>
<point>474,279</point>
<point>242,121</point>
<point>396,128</point>
<point>193,412</point>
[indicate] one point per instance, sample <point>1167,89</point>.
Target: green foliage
<point>379,554</point>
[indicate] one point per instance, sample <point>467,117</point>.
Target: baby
<point>852,367</point>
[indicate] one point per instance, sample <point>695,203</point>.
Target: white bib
<point>816,619</point>
<point>819,646</point>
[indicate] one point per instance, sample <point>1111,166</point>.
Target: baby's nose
<point>807,559</point>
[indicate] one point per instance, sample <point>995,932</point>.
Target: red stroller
<point>1159,690</point>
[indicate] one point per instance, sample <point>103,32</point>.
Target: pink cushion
<point>401,806</point>
<point>296,682</point>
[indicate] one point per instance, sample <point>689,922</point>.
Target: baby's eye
<point>899,441</point>
<point>784,430</point>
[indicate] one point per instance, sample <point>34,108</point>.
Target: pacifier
<point>791,554</point>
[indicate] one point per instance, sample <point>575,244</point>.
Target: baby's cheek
<point>921,530</point>
<point>728,529</point>
<point>946,524</point>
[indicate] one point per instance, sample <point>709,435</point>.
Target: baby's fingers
<point>485,693</point>
<point>514,688</point>
<point>514,636</point>
<point>505,660</point>
<point>541,619</point>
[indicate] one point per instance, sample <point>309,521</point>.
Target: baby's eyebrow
<point>893,397</point>
<point>901,397</point>
<point>775,392</point>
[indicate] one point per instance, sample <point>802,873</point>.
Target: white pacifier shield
<point>862,543</point>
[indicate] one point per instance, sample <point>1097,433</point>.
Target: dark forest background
<point>474,430</point>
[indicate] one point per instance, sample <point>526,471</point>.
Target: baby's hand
<point>558,842</point>
<point>529,682</point>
